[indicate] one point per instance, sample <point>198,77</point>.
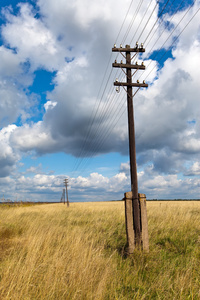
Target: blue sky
<point>61,117</point>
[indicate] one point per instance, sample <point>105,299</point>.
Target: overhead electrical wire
<point>97,146</point>
<point>175,39</point>
<point>147,21</point>
<point>161,33</point>
<point>136,16</point>
<point>158,51</point>
<point>123,21</point>
<point>99,134</point>
<point>132,21</point>
<point>145,12</point>
<point>172,43</point>
<point>165,6</point>
<point>105,110</point>
<point>121,110</point>
<point>139,5</point>
<point>117,117</point>
<point>95,110</point>
<point>95,133</point>
<point>159,17</point>
<point>100,117</point>
<point>141,21</point>
<point>160,14</point>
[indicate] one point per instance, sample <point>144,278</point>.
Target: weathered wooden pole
<point>133,214</point>
<point>132,152</point>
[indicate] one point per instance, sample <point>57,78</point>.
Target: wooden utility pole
<point>131,128</point>
<point>66,183</point>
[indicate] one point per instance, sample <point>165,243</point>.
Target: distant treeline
<point>24,203</point>
<point>30,203</point>
<point>173,199</point>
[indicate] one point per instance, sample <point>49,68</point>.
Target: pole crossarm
<point>117,83</point>
<point>136,49</point>
<point>136,67</point>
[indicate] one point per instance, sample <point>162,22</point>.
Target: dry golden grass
<point>77,252</point>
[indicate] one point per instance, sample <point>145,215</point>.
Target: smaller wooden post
<point>66,183</point>
<point>144,222</point>
<point>129,222</point>
<point>63,196</point>
<point>129,217</point>
<point>67,197</point>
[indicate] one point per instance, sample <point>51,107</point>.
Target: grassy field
<point>54,252</point>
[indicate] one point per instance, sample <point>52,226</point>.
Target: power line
<point>159,16</point>
<point>95,110</point>
<point>132,21</point>
<point>114,121</point>
<point>160,35</point>
<point>123,21</point>
<point>103,135</point>
<point>85,152</point>
<point>141,21</point>
<point>100,135</point>
<point>147,21</point>
<point>174,39</point>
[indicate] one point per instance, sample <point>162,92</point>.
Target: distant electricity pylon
<point>66,183</point>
